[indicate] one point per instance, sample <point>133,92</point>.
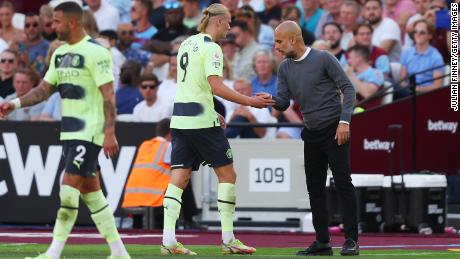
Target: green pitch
<point>13,251</point>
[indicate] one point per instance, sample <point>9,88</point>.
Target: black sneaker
<point>350,247</point>
<point>317,248</point>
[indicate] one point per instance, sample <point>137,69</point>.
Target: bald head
<point>289,29</point>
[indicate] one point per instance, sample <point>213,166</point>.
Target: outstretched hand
<point>262,100</point>
<point>5,109</point>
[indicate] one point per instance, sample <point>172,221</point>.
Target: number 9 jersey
<point>198,58</point>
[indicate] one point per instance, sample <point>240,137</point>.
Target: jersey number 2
<point>183,64</point>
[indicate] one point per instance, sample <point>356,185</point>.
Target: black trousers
<point>321,150</point>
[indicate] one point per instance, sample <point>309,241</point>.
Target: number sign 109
<point>269,175</point>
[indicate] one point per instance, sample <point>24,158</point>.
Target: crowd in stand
<point>377,43</point>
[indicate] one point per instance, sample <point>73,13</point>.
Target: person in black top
<point>9,62</point>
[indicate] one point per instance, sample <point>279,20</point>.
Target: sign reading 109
<point>269,175</point>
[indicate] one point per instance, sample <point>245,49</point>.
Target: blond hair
<point>212,10</point>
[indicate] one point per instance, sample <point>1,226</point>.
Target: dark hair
<point>148,5</point>
<point>7,4</point>
<point>378,1</point>
<point>130,72</point>
<point>361,50</point>
<point>242,25</point>
<point>31,14</point>
<point>111,34</point>
<point>70,8</point>
<point>149,77</point>
<point>162,127</point>
<point>367,25</point>
<point>333,24</point>
<point>289,8</point>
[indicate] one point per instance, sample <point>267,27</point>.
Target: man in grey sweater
<point>315,80</point>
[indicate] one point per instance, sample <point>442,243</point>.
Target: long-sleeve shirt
<point>315,83</point>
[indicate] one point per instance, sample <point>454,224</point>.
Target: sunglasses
<point>127,32</point>
<point>28,25</point>
<point>420,32</point>
<point>5,60</point>
<point>173,5</point>
<point>151,86</point>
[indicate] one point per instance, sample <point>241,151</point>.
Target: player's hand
<point>222,121</point>
<point>261,101</point>
<point>110,145</point>
<point>342,134</point>
<point>5,109</point>
<point>264,95</point>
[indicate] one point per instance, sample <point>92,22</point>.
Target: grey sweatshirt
<point>315,84</point>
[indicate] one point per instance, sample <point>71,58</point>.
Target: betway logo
<point>377,144</point>
<point>45,171</point>
<point>442,126</point>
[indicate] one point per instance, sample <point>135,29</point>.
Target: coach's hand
<point>5,109</point>
<point>110,145</point>
<point>342,134</point>
<point>261,101</point>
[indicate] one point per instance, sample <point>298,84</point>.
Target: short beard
<point>335,45</point>
<point>375,21</point>
<point>291,54</point>
<point>64,36</point>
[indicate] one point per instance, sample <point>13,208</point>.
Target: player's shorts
<point>192,147</point>
<point>80,157</point>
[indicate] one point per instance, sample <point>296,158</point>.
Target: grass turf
<point>13,251</point>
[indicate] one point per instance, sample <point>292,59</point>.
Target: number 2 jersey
<point>198,58</point>
<point>78,70</point>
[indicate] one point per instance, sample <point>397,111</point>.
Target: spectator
<point>293,114</point>
<point>291,12</point>
<point>232,6</point>
<point>46,19</point>
<point>124,8</point>
<point>192,13</point>
<point>117,57</point>
<point>128,95</point>
<point>262,32</point>
<point>349,14</point>
<point>265,67</point>
<point>9,62</point>
<point>366,80</point>
<point>229,49</point>
<point>378,57</point>
<point>167,88</point>
<point>312,14</point>
<point>143,29</point>
<point>440,17</point>
<point>90,24</point>
<point>36,46</point>
<point>158,14</point>
<point>52,109</point>
<point>421,7</point>
<point>332,33</point>
<point>321,45</point>
<point>423,57</point>
<point>400,11</point>
<point>387,34</point>
<point>24,80</point>
<point>151,109</point>
<point>332,14</point>
<point>247,114</point>
<point>125,34</point>
<point>247,47</point>
<point>107,16</point>
<point>173,25</point>
<point>8,32</point>
<point>271,15</point>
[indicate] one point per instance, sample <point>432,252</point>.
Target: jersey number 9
<point>183,64</point>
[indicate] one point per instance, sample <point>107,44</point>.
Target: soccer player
<point>82,71</point>
<point>195,129</point>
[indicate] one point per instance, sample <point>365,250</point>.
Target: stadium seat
<point>388,98</point>
<point>395,71</point>
<point>446,80</point>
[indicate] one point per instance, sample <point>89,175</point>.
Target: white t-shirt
<point>167,91</point>
<point>262,115</point>
<point>388,30</point>
<point>117,60</point>
<point>107,17</point>
<point>158,111</point>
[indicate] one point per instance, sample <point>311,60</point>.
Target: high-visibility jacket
<point>149,176</point>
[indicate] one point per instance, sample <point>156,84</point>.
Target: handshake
<point>261,100</point>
